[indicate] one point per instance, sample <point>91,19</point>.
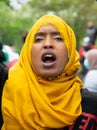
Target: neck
<point>52,78</point>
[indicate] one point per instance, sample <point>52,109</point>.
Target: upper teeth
<point>48,55</point>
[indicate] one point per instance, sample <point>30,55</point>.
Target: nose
<point>48,43</point>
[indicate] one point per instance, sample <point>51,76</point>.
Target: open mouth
<point>48,59</point>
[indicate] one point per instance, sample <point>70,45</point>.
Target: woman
<point>3,78</point>
<point>90,64</point>
<point>43,89</point>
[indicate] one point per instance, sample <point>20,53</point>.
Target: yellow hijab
<point>31,103</point>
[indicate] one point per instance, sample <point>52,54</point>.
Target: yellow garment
<point>31,103</point>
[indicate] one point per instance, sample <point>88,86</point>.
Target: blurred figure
<point>87,120</point>
<point>11,55</point>
<point>24,35</point>
<point>2,55</point>
<point>90,64</point>
<point>3,77</point>
<point>86,46</point>
<point>91,32</point>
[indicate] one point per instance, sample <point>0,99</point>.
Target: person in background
<point>88,119</point>
<point>2,55</point>
<point>91,32</point>
<point>11,55</point>
<point>3,78</point>
<point>90,63</point>
<point>3,75</point>
<point>43,90</point>
<point>86,46</point>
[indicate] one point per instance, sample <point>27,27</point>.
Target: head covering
<point>30,102</point>
<point>91,58</point>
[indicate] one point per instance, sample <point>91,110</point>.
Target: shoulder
<point>15,83</point>
<point>90,81</point>
<point>88,94</point>
<point>3,77</point>
<point>89,101</point>
<point>88,119</point>
<point>3,74</point>
<point>91,73</point>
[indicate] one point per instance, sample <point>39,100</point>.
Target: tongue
<point>48,60</point>
<point>49,63</point>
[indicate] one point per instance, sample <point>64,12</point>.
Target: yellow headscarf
<point>31,103</point>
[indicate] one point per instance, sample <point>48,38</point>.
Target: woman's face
<point>49,53</point>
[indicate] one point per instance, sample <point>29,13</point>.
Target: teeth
<point>48,55</point>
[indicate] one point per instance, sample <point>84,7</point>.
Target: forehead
<point>47,28</point>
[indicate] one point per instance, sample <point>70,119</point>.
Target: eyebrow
<point>44,33</point>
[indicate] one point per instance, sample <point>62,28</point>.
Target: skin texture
<point>49,53</point>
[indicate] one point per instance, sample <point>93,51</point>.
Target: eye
<point>39,39</point>
<point>58,38</point>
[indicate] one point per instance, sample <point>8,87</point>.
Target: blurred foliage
<point>6,1</point>
<point>76,13</point>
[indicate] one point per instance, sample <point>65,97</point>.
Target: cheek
<point>34,55</point>
<point>35,51</point>
<point>64,55</point>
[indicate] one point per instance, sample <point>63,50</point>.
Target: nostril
<point>51,46</point>
<point>48,46</point>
